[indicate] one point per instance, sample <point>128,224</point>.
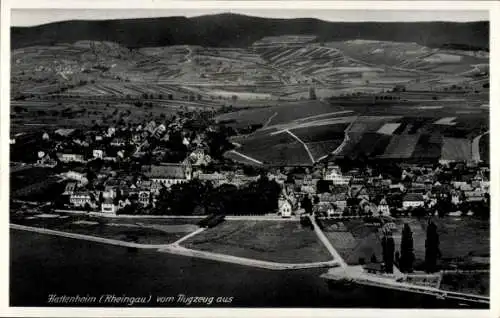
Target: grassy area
<point>354,240</point>
<point>472,234</point>
<point>264,240</point>
<point>144,231</point>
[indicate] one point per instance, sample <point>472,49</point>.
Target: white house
<point>98,153</point>
<point>144,198</point>
<point>70,157</point>
<point>77,176</point>
<point>413,200</point>
<point>109,192</point>
<point>383,208</point>
<point>455,198</point>
<point>335,176</point>
<point>284,207</point>
<point>108,207</point>
<point>80,199</point>
<point>111,131</point>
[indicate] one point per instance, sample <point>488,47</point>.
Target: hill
<point>233,30</point>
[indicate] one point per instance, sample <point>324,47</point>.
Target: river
<point>43,265</point>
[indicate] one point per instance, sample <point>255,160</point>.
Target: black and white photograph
<point>249,158</point>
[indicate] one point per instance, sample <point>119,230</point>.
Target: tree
<point>431,248</point>
<point>306,204</point>
<point>407,255</point>
<point>312,93</point>
<point>388,252</point>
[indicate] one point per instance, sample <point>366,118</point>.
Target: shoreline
<point>175,249</point>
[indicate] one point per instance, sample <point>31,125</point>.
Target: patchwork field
<point>426,135</point>
<point>276,241</point>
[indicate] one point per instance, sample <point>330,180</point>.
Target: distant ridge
<point>234,30</point>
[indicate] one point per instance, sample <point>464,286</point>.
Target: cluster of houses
<point>333,192</point>
<point>115,144</point>
<point>369,192</point>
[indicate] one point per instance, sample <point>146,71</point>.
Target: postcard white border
<point>7,5</point>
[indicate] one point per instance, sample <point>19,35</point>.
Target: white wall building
<point>413,200</point>
<point>284,207</point>
<point>98,153</point>
<point>335,176</point>
<point>108,207</point>
<point>80,199</point>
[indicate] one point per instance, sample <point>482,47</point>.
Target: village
<point>127,169</point>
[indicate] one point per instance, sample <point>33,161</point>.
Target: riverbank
<point>107,269</point>
<point>178,250</point>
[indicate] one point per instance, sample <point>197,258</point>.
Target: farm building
<point>413,200</point>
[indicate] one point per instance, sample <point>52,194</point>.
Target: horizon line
<point>32,20</point>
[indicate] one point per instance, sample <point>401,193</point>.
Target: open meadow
<point>275,241</point>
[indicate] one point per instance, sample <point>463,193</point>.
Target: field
<point>473,235</point>
<point>380,136</point>
<point>456,149</point>
<point>268,84</point>
<point>143,231</point>
<point>354,240</point>
<point>276,241</point>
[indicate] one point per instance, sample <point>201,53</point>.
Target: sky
<point>31,17</point>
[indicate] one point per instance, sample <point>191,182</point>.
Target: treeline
<point>199,198</point>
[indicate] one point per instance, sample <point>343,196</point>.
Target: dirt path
<point>336,256</point>
<point>269,120</point>
<point>246,157</point>
<point>305,146</point>
<point>476,155</point>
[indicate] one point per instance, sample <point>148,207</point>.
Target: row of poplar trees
<point>406,257</point>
